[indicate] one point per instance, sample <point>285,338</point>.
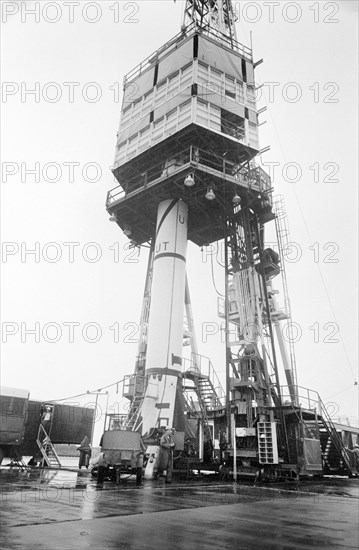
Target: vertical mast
<point>214,17</point>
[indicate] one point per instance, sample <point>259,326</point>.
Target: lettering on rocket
<point>159,246</point>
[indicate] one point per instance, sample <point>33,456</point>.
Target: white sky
<point>107,292</point>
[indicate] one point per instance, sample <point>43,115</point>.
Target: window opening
<point>232,124</point>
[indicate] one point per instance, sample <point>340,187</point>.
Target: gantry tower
<point>185,163</point>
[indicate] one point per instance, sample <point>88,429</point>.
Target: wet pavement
<point>65,509</point>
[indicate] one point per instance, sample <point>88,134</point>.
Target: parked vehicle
<point>13,413</point>
<point>121,454</point>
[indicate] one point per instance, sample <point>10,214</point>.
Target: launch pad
<point>185,163</point>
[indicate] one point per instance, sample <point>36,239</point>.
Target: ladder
<point>49,455</point>
<point>131,422</point>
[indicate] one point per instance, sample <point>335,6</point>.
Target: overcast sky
<point>310,88</point>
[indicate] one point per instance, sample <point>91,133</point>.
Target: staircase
<point>206,387</point>
<point>205,381</point>
<point>313,413</point>
<point>335,456</point>
<point>49,455</point>
<point>207,393</point>
<point>201,414</point>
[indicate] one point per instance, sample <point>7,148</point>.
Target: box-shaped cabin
<point>188,108</point>
<point>193,80</point>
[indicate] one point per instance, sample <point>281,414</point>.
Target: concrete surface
<point>46,509</point>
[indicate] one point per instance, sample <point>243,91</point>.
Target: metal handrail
<point>336,439</point>
<point>186,33</point>
<point>316,405</point>
<point>146,63</point>
<point>208,371</point>
<point>254,177</point>
<point>307,398</point>
<point>47,440</point>
<point>148,176</point>
<point>114,197</point>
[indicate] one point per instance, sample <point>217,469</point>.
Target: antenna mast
<point>214,17</point>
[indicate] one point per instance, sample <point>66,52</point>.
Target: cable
<point>310,240</point>
<point>218,260</point>
<point>318,266</point>
<point>86,393</point>
<point>341,391</point>
<point>213,281</point>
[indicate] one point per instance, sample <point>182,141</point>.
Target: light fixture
<point>189,181</point>
<point>127,231</point>
<point>113,217</point>
<point>236,199</point>
<point>210,196</point>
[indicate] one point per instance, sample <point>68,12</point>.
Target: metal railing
<point>47,449</point>
<point>307,399</point>
<point>156,173</point>
<point>133,385</point>
<point>115,195</point>
<point>152,58</point>
<point>240,48</point>
<point>310,400</point>
<point>202,366</point>
<point>251,176</point>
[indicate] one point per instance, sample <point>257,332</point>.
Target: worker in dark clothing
<point>46,418</point>
<point>222,445</point>
<point>224,472</point>
<point>101,472</point>
<point>354,458</point>
<point>165,457</point>
<point>139,468</point>
<point>85,452</point>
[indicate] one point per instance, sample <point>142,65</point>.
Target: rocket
<point>163,404</point>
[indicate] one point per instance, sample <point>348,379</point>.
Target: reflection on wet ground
<point>45,497</point>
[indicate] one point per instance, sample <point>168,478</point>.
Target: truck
<point>121,454</point>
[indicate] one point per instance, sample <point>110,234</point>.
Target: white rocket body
<point>165,326</point>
